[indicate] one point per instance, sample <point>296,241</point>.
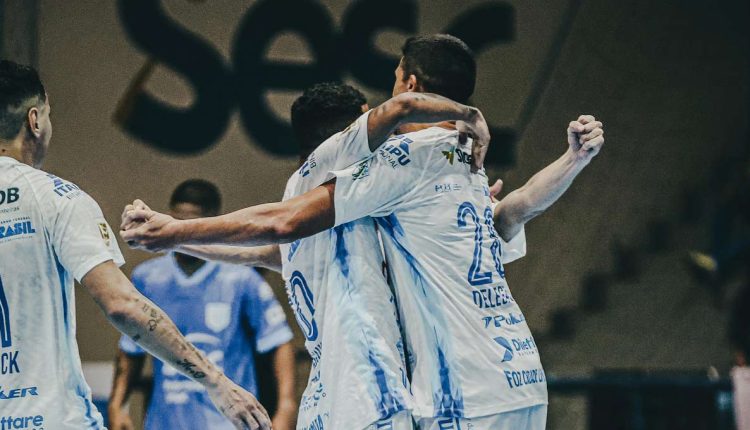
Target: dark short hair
<point>443,64</point>
<point>19,85</point>
<point>198,192</point>
<point>322,111</point>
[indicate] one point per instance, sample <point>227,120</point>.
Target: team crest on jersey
<point>104,231</point>
<point>362,170</point>
<point>217,316</point>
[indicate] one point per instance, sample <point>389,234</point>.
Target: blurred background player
<point>51,232</point>
<point>228,311</point>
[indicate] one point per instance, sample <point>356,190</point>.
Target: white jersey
<point>471,351</point>
<point>344,307</point>
<point>50,233</point>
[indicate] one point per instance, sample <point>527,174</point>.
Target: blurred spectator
<point>739,334</point>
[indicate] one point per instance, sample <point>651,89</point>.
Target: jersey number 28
<point>467,212</point>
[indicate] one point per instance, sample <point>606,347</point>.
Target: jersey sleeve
<point>515,248</point>
<point>376,186</point>
<point>342,149</point>
<point>81,237</point>
<point>265,315</point>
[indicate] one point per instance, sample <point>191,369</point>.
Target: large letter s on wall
<point>181,131</point>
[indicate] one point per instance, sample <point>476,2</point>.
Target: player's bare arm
<point>585,140</point>
<point>137,317</point>
<point>128,370</point>
<point>265,224</point>
<point>414,107</point>
<point>267,256</point>
<point>284,370</point>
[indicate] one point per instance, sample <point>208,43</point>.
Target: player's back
<point>472,352</point>
<point>345,309</point>
<point>42,383</point>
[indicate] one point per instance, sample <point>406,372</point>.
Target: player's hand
<point>137,204</point>
<point>120,421</point>
<point>495,190</point>
<point>479,132</point>
<point>148,230</point>
<point>586,137</point>
<point>239,406</point>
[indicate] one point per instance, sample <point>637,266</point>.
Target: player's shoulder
<point>154,271</point>
<point>239,273</point>
<point>418,148</point>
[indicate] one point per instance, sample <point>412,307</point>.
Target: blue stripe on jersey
<point>80,390</point>
<point>389,402</point>
<point>448,399</point>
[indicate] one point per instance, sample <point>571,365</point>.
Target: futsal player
<point>334,279</point>
<point>52,232</point>
<point>228,311</point>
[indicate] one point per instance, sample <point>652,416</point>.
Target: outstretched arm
<point>585,140</point>
<point>265,224</point>
<point>267,256</point>
<point>413,107</point>
<point>136,316</point>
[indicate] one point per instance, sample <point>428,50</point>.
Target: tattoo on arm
<point>188,367</point>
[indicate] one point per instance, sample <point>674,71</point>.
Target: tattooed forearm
<point>154,316</point>
<point>189,368</point>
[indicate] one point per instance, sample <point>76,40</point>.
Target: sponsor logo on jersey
<point>104,231</point>
<point>361,171</point>
<point>456,153</point>
<point>17,393</point>
<point>217,316</point>
<point>447,188</point>
<point>499,321</point>
<point>516,347</point>
<point>33,422</point>
<point>9,363</point>
<point>310,401</point>
<point>524,377</point>
<point>315,424</point>
<point>309,164</point>
<point>9,196</point>
<point>450,424</point>
<point>63,188</point>
<point>396,153</point>
<point>16,229</point>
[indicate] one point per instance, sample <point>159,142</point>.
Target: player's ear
<point>413,85</point>
<point>32,120</point>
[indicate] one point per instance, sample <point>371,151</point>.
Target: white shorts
<point>400,421</point>
<point>533,418</point>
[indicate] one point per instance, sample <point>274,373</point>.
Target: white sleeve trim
<point>514,248</point>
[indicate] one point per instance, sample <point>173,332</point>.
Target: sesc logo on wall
<point>242,83</point>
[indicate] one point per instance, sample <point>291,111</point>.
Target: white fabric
<point>533,418</point>
<point>741,383</point>
<point>471,351</point>
<point>344,307</point>
<point>52,233</point>
<point>400,421</point>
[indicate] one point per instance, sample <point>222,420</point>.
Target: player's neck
<point>188,264</point>
<point>411,128</point>
<point>18,150</point>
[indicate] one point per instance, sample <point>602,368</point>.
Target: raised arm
<point>411,107</point>
<point>265,224</point>
<point>585,139</point>
<point>139,318</point>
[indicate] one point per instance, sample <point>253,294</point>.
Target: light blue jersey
<point>471,350</point>
<point>227,312</point>
<point>344,307</point>
<point>51,233</point>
